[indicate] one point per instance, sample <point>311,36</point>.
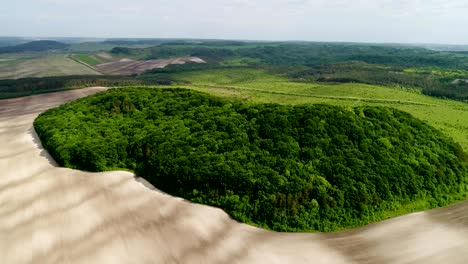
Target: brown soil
<point>104,55</point>
<point>129,66</point>
<point>50,214</point>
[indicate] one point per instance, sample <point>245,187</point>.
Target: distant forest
<point>31,86</point>
<point>34,46</point>
<point>434,72</point>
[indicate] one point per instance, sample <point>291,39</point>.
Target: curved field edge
<point>317,203</point>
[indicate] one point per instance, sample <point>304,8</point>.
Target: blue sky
<point>407,21</point>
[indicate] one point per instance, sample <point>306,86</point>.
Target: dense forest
<point>34,46</point>
<point>286,168</point>
<point>443,84</point>
<point>433,72</point>
<point>28,86</point>
<point>132,42</point>
<point>309,54</point>
<point>319,54</point>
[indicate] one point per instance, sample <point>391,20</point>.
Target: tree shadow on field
<point>134,220</point>
<point>38,144</point>
<point>453,216</point>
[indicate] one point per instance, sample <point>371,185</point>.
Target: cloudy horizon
<point>378,21</point>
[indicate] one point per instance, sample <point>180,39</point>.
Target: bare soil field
<point>50,214</point>
<point>41,65</point>
<point>129,66</point>
<point>105,55</point>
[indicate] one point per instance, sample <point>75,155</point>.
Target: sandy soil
<point>129,66</point>
<point>105,55</point>
<point>56,215</point>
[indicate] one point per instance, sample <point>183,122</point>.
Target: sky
<point>389,21</point>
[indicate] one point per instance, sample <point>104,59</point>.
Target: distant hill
<point>40,45</point>
<point>132,42</point>
<point>11,41</point>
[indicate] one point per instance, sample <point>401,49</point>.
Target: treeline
<point>429,84</point>
<point>162,52</point>
<point>131,42</point>
<point>312,54</point>
<point>187,67</point>
<point>209,43</point>
<point>28,86</point>
<point>326,62</point>
<point>179,42</point>
<point>34,46</point>
<point>449,89</point>
<point>287,168</point>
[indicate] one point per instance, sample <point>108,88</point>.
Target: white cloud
<point>328,20</point>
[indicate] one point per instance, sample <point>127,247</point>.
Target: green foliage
<point>28,86</point>
<point>161,52</point>
<point>210,43</point>
<point>240,62</point>
<point>334,62</point>
<point>437,83</point>
<point>311,54</point>
<point>261,86</point>
<point>287,168</point>
<point>133,42</point>
<point>432,72</point>
<point>91,60</point>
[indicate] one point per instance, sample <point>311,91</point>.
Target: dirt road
<point>57,215</point>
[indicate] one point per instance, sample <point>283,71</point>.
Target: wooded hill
<point>287,168</point>
<point>34,46</point>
